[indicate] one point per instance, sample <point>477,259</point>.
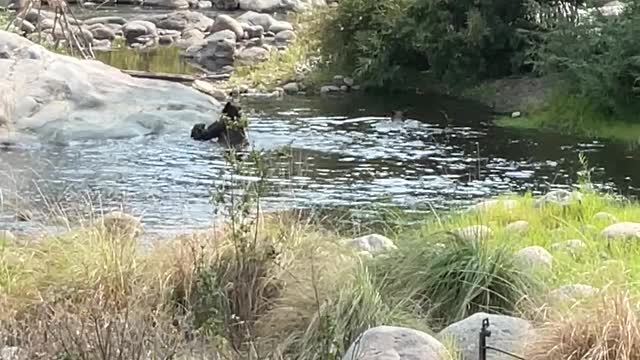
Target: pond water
<point>345,152</point>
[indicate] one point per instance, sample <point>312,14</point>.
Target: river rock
<point>622,230</point>
<point>291,88</point>
<point>252,31</point>
<point>372,243</point>
<point>102,32</point>
<point>252,55</point>
<point>168,4</point>
<point>279,26</point>
<point>572,246</point>
<point>474,232</point>
<point>507,333</point>
<point>605,216</point>
<point>180,20</point>
<point>226,4</point>
<point>328,89</point>
<point>492,204</point>
<point>60,98</point>
<point>226,22</point>
<point>285,37</point>
<point>106,20</point>
<point>103,45</point>
<point>205,5</point>
<point>189,38</point>
<point>137,28</point>
<point>559,197</point>
<point>265,6</point>
<point>121,224</point>
<point>24,25</point>
<point>218,50</point>
<point>254,18</point>
<point>517,227</point>
<point>395,343</point>
<point>572,292</point>
<point>6,237</point>
<point>534,259</point>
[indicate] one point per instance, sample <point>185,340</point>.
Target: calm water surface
<point>345,152</point>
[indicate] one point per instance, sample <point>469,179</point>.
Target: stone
<point>492,204</point>
<point>205,4</point>
<point>209,89</point>
<point>515,114</point>
<point>6,237</point>
<point>534,259</point>
<point>473,232</point>
<point>338,80</point>
<point>291,88</point>
<point>102,45</point>
<point>63,98</point>
<point>180,20</point>
<point>24,25</point>
<point>189,38</point>
<point>226,22</point>
<point>226,4</point>
<point>106,20</point>
<point>264,6</point>
<point>137,28</point>
<point>252,31</point>
<point>559,197</point>
<point>24,215</point>
<point>46,24</point>
<point>166,40</point>
<point>622,230</point>
<point>573,292</point>
<point>395,343</point>
<point>344,88</point>
<point>218,51</point>
<point>285,37</point>
<point>12,353</point>
<point>507,333</point>
<point>279,26</point>
<point>168,4</point>
<point>254,18</point>
<point>121,224</point>
<point>252,55</point>
<point>517,227</point>
<point>605,216</point>
<point>572,246</point>
<point>348,81</point>
<point>372,243</point>
<point>102,32</point>
<point>327,89</point>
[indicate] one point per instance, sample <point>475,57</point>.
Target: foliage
<point>453,281</point>
<point>598,61</point>
<point>454,42</point>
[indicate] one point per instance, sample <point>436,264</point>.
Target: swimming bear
<point>229,129</point>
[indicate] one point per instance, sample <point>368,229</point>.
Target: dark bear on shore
<point>223,130</point>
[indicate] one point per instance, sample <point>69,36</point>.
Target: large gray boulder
<point>254,18</point>
<point>59,98</point>
<point>180,20</point>
<point>395,343</point>
<point>622,230</point>
<point>507,333</point>
<point>217,50</point>
<point>138,28</point>
<point>226,22</point>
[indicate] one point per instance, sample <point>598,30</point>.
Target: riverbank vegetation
<point>288,285</point>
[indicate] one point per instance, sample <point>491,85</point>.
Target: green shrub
<point>598,62</point>
<point>457,280</point>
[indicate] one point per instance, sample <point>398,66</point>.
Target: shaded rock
<point>180,20</point>
<point>106,20</point>
<point>559,197</point>
<point>534,259</point>
<point>121,224</point>
<point>252,55</point>
<point>252,31</point>
<point>507,333</point>
<point>517,227</point>
<point>474,232</point>
<point>279,26</point>
<point>291,88</point>
<point>395,343</point>
<point>604,216</point>
<point>24,215</point>
<point>218,51</point>
<point>166,40</point>
<point>372,243</point>
<point>34,16</point>
<point>102,32</point>
<point>23,25</point>
<point>226,4</point>
<point>64,99</point>
<point>137,28</point>
<point>254,18</point>
<point>338,80</point>
<point>572,246</point>
<point>622,230</point>
<point>573,292</point>
<point>491,204</point>
<point>168,4</point>
<point>226,22</point>
<point>348,81</point>
<point>327,89</point>
<point>6,237</point>
<point>190,37</point>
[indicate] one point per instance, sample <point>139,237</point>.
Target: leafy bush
<point>598,61</point>
<point>457,280</point>
<point>458,42</point>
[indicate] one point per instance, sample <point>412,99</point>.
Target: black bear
<point>229,129</point>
